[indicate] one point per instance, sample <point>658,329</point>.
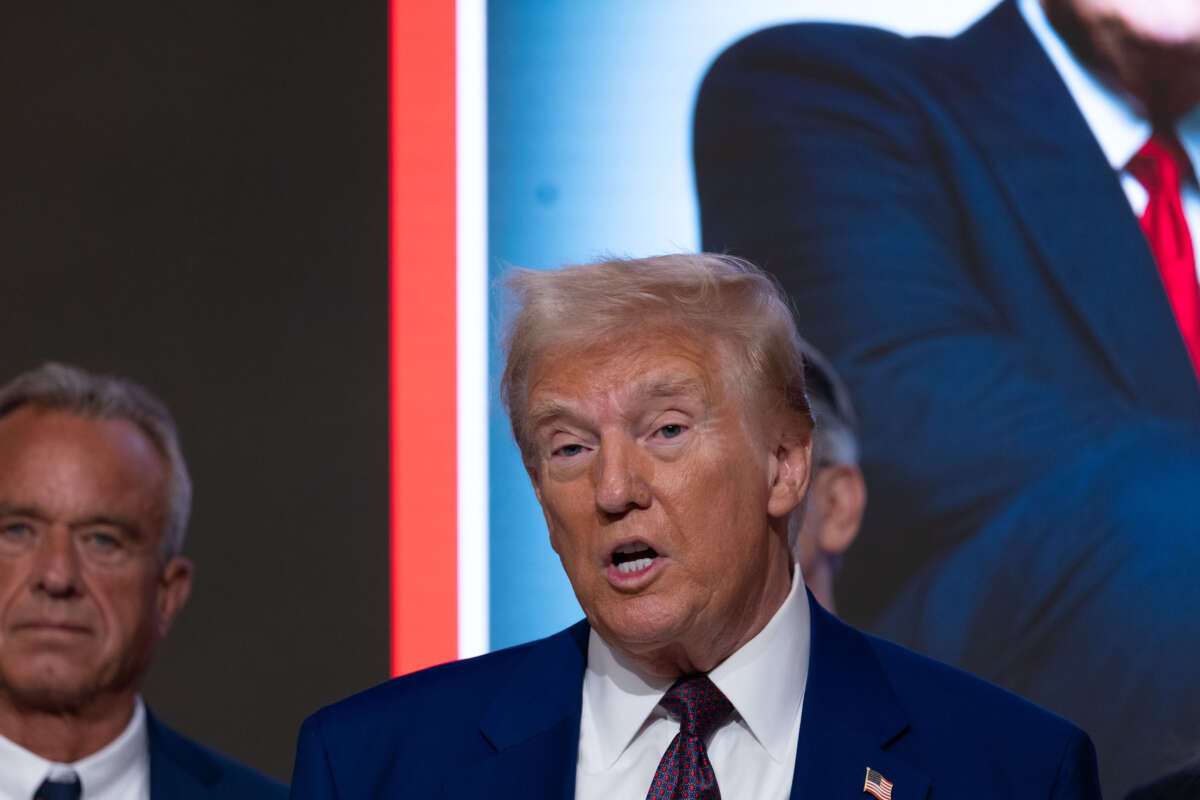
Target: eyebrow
<point>130,527</point>
<point>670,386</point>
<point>656,388</point>
<point>14,510</point>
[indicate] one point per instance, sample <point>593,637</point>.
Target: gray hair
<point>835,438</point>
<point>724,297</point>
<point>65,388</point>
<point>835,433</point>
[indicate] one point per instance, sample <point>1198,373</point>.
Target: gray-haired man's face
<point>84,595</point>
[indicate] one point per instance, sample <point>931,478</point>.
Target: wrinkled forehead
<point>43,448</point>
<point>628,368</point>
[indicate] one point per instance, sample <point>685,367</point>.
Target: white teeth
<point>632,547</point>
<point>635,566</point>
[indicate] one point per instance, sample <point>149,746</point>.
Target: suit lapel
<point>533,726</point>
<point>850,719</point>
<point>1011,99</point>
<point>178,769</point>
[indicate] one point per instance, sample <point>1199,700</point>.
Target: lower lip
<point>634,580</point>
<point>52,630</point>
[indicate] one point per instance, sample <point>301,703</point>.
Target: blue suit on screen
<point>180,769</point>
<point>506,725</point>
<point>954,238</point>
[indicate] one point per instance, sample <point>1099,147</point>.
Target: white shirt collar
<point>22,772</point>
<point>764,680</point>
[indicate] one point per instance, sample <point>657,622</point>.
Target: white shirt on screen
<point>118,771</point>
<point>1114,120</point>
<point>623,732</point>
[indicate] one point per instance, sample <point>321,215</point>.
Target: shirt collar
<point>764,680</point>
<point>22,772</point>
<point>1112,116</point>
<point>1188,131</point>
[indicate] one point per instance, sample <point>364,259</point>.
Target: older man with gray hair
<point>94,504</point>
<point>660,409</point>
<point>828,522</point>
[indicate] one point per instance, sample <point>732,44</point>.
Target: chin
<point>61,697</point>
<point>640,626</point>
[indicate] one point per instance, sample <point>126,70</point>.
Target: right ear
<point>844,496</point>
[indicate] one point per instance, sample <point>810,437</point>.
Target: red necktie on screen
<point>685,772</point>
<point>1160,167</point>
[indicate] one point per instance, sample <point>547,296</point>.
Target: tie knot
<point>1160,163</point>
<point>699,704</point>
<point>59,789</point>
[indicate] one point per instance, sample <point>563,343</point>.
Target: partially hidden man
<point>94,503</point>
<point>660,409</point>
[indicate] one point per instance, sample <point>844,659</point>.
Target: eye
<point>670,431</point>
<point>16,537</point>
<point>568,450</point>
<point>16,530</point>
<point>103,544</point>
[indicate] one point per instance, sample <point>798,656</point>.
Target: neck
<point>66,736</point>
<point>819,578</point>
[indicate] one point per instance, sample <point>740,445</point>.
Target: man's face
<point>665,502</point>
<point>1151,48</point>
<point>84,595</point>
<point>1165,21</point>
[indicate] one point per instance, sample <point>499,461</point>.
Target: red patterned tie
<point>685,772</point>
<point>1160,167</point>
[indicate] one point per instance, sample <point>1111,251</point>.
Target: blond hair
<point>720,296</point>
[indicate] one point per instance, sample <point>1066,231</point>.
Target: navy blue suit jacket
<point>180,769</point>
<point>507,725</point>
<point>955,240</point>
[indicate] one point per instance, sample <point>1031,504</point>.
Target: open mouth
<point>633,557</point>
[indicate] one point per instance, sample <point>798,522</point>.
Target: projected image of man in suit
<point>660,408</point>
<point>94,501</point>
<point>993,237</point>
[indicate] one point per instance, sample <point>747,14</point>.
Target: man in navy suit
<point>659,405</point>
<point>957,221</point>
<point>94,501</point>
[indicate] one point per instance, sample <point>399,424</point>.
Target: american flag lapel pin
<point>877,785</point>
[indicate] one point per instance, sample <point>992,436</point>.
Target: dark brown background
<point>195,196</point>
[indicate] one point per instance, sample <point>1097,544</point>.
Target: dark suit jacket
<point>507,725</point>
<point>183,770</point>
<point>955,240</point>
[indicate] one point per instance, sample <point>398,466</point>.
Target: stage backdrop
<point>195,196</point>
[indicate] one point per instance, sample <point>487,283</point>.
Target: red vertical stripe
<point>423,364</point>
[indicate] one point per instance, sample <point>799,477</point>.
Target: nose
<point>56,565</point>
<point>621,484</point>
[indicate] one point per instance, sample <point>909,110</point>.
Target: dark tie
<point>685,772</point>
<point>53,790</point>
<point>1160,166</point>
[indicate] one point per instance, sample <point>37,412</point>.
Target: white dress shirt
<point>1115,121</point>
<point>623,732</point>
<point>118,771</point>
